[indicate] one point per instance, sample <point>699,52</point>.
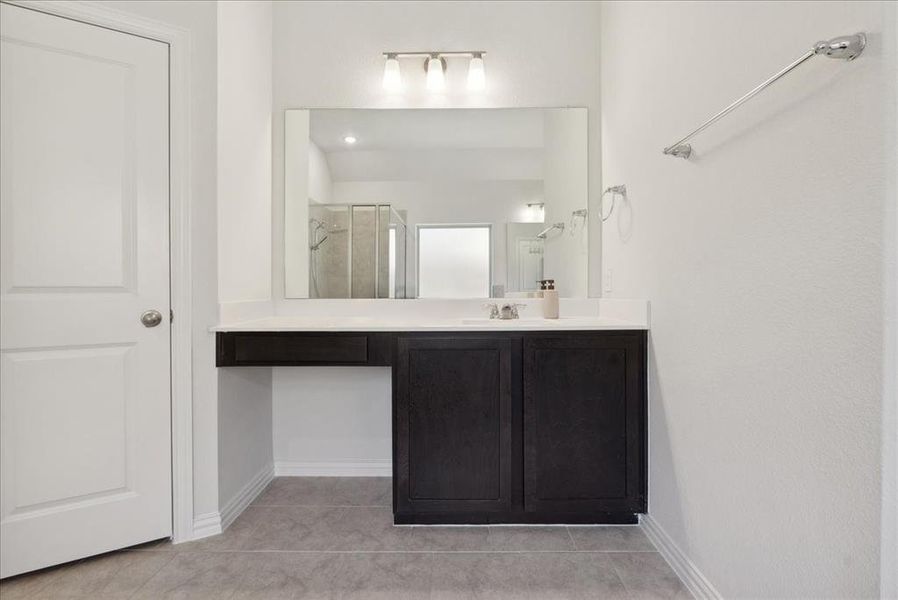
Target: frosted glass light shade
<point>392,75</point>
<point>476,74</point>
<point>436,79</point>
<point>537,212</point>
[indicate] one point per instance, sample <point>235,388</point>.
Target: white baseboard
<point>359,468</point>
<point>245,496</point>
<point>685,569</point>
<point>206,525</point>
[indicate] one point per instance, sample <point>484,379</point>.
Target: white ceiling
<point>405,129</point>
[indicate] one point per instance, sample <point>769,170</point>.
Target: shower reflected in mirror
<point>356,251</point>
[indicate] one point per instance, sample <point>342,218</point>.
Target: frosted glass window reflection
<point>454,261</point>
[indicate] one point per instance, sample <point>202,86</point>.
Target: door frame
<point>178,41</point>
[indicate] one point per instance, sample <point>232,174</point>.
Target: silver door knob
<point>151,318</point>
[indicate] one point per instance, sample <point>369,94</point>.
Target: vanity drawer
<point>298,349</point>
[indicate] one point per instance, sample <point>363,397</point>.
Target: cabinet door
<point>452,426</point>
<point>584,423</point>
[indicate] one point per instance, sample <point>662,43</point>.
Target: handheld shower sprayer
<point>545,232</point>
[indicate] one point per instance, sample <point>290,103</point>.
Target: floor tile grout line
<point>620,578</point>
<point>46,574</point>
<point>430,575</point>
<point>156,572</point>
<point>570,535</point>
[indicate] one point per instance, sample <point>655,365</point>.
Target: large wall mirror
<point>435,203</point>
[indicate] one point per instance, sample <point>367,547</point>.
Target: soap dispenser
<point>550,298</point>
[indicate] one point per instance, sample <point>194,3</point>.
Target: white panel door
<point>85,411</point>
<point>530,264</point>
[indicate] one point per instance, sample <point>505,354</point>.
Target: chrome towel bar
<point>846,47</point>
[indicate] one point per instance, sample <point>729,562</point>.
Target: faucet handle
<point>493,308</point>
<point>509,310</point>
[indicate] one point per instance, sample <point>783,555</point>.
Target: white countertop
<point>421,323</point>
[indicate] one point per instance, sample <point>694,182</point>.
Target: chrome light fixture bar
<point>846,47</point>
<point>429,53</point>
<point>435,69</point>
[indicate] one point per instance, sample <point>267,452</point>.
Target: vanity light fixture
<point>350,139</point>
<point>392,74</point>
<point>476,73</point>
<point>435,69</point>
<point>537,211</point>
<point>436,73</point>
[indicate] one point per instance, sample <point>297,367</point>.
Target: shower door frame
<point>350,206</point>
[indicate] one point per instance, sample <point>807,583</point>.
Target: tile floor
<point>320,537</point>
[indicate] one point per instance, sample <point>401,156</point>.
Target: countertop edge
<point>579,325</point>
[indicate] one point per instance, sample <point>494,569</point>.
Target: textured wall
<point>244,151</point>
<point>245,429</point>
<point>332,415</point>
<point>762,258</point>
<point>565,162</point>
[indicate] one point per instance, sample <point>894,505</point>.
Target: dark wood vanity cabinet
<point>524,427</point>
<point>495,426</point>
<point>584,424</point>
<point>452,399</point>
<point>302,349</point>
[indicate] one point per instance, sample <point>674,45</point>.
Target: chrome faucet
<point>505,311</point>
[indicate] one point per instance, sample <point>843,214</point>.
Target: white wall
<point>199,18</point>
<point>245,447</point>
<point>889,547</point>
<point>445,164</point>
<point>763,261</point>
<point>244,233</point>
<point>244,151</point>
<point>332,418</point>
<point>567,251</point>
<point>291,255</point>
<point>539,54</point>
<point>320,181</point>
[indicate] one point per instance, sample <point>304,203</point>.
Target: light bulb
<point>350,139</point>
<point>392,75</point>
<point>436,80</point>
<point>476,74</point>
<point>537,212</point>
